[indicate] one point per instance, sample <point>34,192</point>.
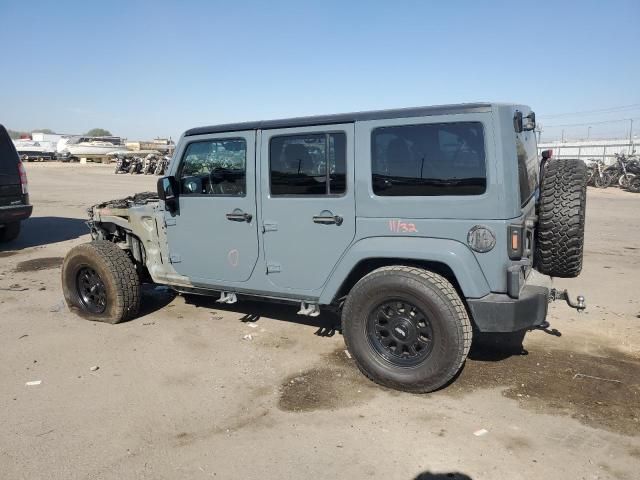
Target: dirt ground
<point>179,393</point>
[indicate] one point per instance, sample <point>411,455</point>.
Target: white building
<point>46,137</point>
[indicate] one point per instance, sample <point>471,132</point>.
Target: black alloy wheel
<point>91,290</point>
<point>400,333</point>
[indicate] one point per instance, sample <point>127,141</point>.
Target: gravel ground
<point>179,393</point>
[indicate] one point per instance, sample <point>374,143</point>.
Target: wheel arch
<point>449,258</point>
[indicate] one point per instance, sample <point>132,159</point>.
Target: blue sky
<point>143,69</point>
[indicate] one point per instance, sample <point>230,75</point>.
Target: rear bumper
<point>15,213</point>
<point>500,313</point>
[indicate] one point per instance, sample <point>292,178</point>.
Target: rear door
<point>308,202</point>
<point>213,239</point>
<point>10,188</point>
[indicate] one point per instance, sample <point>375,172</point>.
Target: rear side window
<point>429,159</point>
<point>310,164</point>
<point>214,167</point>
<point>8,155</point>
<point>527,165</point>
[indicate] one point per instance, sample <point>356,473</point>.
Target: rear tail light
<point>23,178</point>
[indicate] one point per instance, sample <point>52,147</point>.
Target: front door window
<point>215,167</point>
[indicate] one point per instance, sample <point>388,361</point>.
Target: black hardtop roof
<point>342,118</point>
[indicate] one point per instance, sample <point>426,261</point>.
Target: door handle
<point>328,220</point>
<point>239,217</point>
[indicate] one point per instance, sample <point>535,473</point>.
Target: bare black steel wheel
<point>406,328</point>
<point>100,282</point>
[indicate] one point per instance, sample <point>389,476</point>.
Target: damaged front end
<point>132,224</point>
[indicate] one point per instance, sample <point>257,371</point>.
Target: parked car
<point>419,225</point>
<point>14,192</point>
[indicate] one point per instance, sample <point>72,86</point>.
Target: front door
<point>213,238</point>
<point>308,209</point>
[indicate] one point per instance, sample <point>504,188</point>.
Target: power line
<point>632,106</point>
<point>591,123</point>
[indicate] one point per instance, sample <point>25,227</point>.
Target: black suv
<point>14,193</point>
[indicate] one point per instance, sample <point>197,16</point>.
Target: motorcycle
<point>136,165</point>
<point>619,171</point>
<point>161,165</point>
<point>149,164</point>
<point>633,168</point>
<point>597,176</point>
<point>122,164</point>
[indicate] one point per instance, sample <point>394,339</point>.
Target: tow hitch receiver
<point>579,305</point>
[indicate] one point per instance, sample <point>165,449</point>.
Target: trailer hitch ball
<point>579,305</point>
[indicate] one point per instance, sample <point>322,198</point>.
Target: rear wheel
<point>561,213</point>
<point>407,328</point>
<point>9,232</point>
<point>100,282</point>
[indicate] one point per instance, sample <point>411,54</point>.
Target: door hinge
<point>169,221</point>
<point>175,258</point>
<point>269,227</point>
<point>273,267</point>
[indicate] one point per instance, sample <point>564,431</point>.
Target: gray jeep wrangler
<point>420,225</point>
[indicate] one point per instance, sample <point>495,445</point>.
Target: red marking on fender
<point>398,226</point>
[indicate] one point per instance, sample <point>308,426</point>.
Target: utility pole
<point>539,131</point>
<point>588,133</point>
<point>631,149</point>
<point>563,135</point>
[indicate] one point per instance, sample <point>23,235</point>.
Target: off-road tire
<point>9,232</point>
<point>118,274</point>
<point>561,216</point>
<point>442,305</point>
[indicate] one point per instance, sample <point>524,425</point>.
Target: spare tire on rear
<point>561,215</point>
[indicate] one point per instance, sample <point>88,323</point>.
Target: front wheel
<point>407,328</point>
<point>625,180</point>
<point>602,181</point>
<point>100,282</point>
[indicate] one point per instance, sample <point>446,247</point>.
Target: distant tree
<point>98,132</point>
<point>16,134</point>
<point>43,130</point>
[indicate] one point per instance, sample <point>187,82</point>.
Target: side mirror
<point>517,121</point>
<point>169,191</point>
<point>546,154</point>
